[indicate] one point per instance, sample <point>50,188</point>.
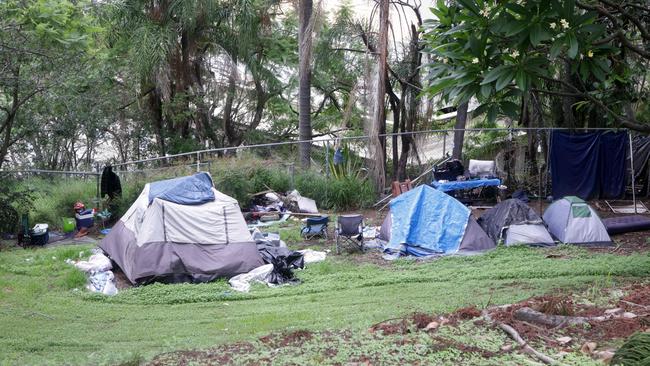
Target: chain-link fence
<point>339,173</point>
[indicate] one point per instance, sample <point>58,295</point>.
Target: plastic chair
<point>315,226</point>
<point>349,228</point>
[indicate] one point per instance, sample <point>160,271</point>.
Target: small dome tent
<point>516,223</point>
<point>425,221</point>
<point>571,220</point>
<point>182,230</point>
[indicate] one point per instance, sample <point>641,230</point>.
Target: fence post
<point>444,145</point>
<point>99,198</point>
<point>327,159</point>
<point>629,135</point>
<point>198,161</point>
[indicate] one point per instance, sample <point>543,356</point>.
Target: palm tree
<point>304,73</point>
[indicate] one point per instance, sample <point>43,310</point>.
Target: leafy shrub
<point>14,201</point>
<point>54,199</point>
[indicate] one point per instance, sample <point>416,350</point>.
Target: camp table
<point>465,184</point>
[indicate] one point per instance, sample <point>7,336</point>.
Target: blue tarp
<point>426,221</point>
<point>192,190</point>
<point>465,184</point>
<point>588,165</point>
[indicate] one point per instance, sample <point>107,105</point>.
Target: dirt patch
<point>293,339</point>
<point>601,331</point>
<point>446,343</point>
<point>222,355</point>
<point>415,321</point>
<point>405,331</point>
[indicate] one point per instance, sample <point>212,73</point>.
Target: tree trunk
<point>567,102</point>
<point>304,74</point>
<point>155,106</point>
<point>11,112</point>
<point>228,127</point>
<point>6,138</point>
<point>376,149</point>
<point>459,133</point>
<point>395,107</point>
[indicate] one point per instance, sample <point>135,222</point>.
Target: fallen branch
<point>517,338</point>
<point>635,304</point>
<point>528,349</point>
<point>532,316</point>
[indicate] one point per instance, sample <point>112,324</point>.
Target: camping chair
<point>349,228</point>
<point>314,226</point>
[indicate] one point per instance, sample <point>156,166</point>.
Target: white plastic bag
<point>97,262</point>
<point>312,256</point>
<point>242,282</point>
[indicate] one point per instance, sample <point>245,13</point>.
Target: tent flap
<point>193,190</point>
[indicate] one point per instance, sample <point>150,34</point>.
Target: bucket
<point>68,224</point>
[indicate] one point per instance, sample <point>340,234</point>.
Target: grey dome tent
<point>571,220</point>
<point>425,221</point>
<point>182,230</point>
<point>514,222</point>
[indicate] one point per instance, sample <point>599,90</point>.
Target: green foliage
<point>54,198</point>
<point>634,352</point>
<point>72,278</point>
<point>352,165</point>
<point>240,181</point>
<point>496,52</point>
<point>14,201</point>
<point>339,293</point>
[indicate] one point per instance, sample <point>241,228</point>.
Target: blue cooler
<point>85,219</point>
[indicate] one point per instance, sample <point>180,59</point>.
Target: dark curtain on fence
<point>588,165</point>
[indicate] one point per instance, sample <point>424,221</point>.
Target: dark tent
<point>516,223</point>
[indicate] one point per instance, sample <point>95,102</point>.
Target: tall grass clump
<point>53,199</point>
<point>241,181</point>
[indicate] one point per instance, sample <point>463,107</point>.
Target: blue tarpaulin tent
<point>425,221</point>
<point>588,165</point>
<point>193,190</point>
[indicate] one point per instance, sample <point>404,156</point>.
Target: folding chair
<point>314,226</point>
<point>349,228</point>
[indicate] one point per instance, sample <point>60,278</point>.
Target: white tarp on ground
<point>242,282</point>
<point>312,256</point>
<point>98,268</point>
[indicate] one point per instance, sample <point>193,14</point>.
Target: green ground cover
<point>47,317</point>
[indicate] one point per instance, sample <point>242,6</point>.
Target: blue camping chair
<point>349,228</point>
<point>315,226</point>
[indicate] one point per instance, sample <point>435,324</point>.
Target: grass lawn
<point>47,318</point>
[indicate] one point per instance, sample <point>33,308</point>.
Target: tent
<point>516,223</point>
<point>425,221</point>
<point>571,220</point>
<point>182,230</point>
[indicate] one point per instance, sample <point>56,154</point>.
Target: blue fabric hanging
<point>588,165</point>
<point>338,156</point>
